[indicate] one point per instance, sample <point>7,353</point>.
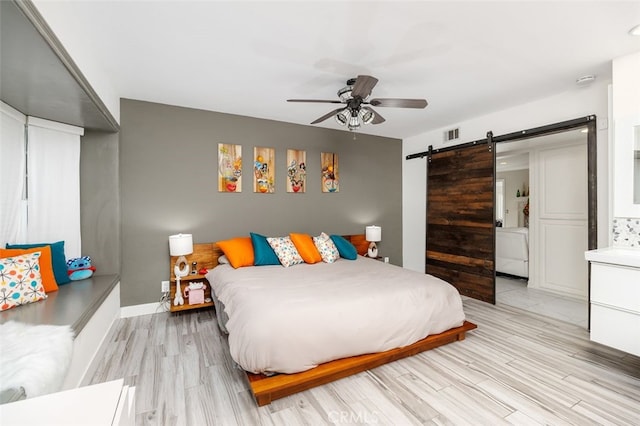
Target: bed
<point>512,251</point>
<point>315,323</point>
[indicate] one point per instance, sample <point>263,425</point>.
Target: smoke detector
<point>585,80</point>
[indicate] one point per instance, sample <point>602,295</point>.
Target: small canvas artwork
<point>229,168</point>
<point>296,171</point>
<point>264,172</point>
<point>330,172</point>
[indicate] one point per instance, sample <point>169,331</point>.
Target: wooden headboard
<point>207,254</point>
<point>360,243</point>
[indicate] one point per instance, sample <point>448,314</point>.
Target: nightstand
<point>184,283</point>
<point>202,255</point>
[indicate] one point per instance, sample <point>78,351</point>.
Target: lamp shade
<point>180,244</point>
<point>373,233</point>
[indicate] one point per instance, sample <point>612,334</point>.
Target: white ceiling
<point>465,58</point>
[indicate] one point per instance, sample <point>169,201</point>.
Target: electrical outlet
<point>165,286</point>
<point>386,260</point>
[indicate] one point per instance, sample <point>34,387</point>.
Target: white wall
<point>576,103</point>
<point>62,24</point>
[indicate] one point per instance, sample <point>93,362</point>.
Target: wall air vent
<point>452,135</point>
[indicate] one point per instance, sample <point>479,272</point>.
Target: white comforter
<point>292,319</point>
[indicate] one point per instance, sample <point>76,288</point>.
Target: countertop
<point>623,256</point>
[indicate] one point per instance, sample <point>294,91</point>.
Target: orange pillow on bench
<point>46,267</point>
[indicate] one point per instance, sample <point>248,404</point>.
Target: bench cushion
<point>34,357</point>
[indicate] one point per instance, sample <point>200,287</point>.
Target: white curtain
<point>12,177</point>
<point>54,184</point>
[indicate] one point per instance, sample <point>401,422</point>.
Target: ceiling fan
<point>355,100</point>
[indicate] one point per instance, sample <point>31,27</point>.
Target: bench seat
<point>89,306</point>
<point>73,304</point>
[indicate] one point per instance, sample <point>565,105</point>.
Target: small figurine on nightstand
<point>194,268</point>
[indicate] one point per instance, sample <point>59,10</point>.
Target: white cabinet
<point>615,298</point>
<point>107,404</point>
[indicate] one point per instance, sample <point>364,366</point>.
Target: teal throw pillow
<point>345,248</point>
<point>262,252</point>
<point>58,259</point>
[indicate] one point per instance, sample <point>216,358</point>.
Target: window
<point>51,171</point>
<point>12,175</point>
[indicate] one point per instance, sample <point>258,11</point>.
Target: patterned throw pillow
<point>20,281</point>
<point>285,250</point>
<point>327,249</point>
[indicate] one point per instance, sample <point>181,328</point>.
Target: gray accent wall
<point>168,184</point>
<point>100,200</point>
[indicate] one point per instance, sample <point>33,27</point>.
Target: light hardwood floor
<point>516,368</point>
<point>515,292</point>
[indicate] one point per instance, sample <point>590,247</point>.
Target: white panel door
<point>562,229</point>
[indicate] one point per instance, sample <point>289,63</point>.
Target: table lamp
<point>180,245</point>
<point>373,234</point>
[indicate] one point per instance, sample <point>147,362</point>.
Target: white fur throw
<point>35,357</point>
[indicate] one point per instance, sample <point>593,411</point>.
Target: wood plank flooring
<point>516,368</point>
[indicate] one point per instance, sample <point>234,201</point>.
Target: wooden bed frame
<point>269,388</point>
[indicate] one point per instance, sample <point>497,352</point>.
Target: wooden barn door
<point>460,218</point>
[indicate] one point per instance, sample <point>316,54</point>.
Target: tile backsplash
<point>626,232</point>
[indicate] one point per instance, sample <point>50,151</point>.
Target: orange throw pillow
<point>306,248</point>
<point>46,267</point>
<point>238,250</point>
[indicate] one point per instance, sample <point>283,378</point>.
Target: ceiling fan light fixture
<point>343,117</point>
<point>354,122</point>
<point>345,93</point>
<point>366,115</point>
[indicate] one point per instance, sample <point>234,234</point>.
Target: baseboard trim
<point>138,310</point>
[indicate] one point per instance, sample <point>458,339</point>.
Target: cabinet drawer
<point>618,329</point>
<point>616,286</point>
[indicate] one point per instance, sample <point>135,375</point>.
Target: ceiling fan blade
<point>399,103</point>
<point>327,115</point>
<point>323,101</point>
<point>377,118</point>
<point>363,86</point>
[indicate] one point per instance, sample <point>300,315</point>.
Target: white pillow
<point>326,247</point>
<point>285,250</point>
<point>222,260</point>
